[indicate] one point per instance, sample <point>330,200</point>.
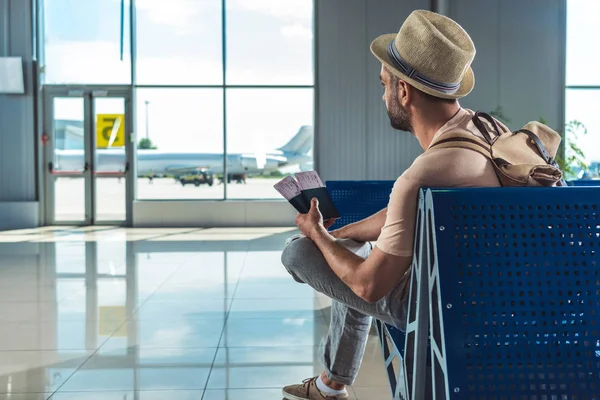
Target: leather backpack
<point>521,158</point>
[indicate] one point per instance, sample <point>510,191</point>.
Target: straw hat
<point>430,52</point>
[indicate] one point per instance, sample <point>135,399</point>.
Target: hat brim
<point>379,48</point>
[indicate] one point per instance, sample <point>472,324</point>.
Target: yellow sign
<point>110,319</point>
<point>110,130</point>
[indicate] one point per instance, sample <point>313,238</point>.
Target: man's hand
<point>312,222</point>
<point>327,224</point>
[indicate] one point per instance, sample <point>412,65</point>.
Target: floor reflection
<point>102,313</point>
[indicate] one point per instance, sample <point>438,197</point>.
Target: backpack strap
<point>481,126</point>
<point>540,146</point>
<point>465,141</point>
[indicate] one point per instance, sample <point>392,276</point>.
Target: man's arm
<point>367,230</point>
<point>370,279</point>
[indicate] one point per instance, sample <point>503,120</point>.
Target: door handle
<point>126,167</point>
<point>86,167</point>
<point>52,171</point>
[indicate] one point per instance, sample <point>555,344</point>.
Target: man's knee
<point>296,256</point>
<point>297,252</point>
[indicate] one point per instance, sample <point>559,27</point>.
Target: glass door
<point>68,165</point>
<point>86,150</point>
<point>110,159</point>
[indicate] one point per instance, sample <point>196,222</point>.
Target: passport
<point>300,190</point>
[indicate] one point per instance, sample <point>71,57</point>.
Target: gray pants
<point>351,316</point>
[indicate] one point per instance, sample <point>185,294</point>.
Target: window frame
<point>568,87</point>
<point>133,86</point>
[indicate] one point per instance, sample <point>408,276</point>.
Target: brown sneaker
<point>308,391</point>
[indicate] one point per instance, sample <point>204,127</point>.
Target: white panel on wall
<point>11,75</point>
<point>389,152</point>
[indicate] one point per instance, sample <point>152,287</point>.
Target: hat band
<point>404,67</point>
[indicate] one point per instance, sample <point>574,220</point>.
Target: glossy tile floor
<point>108,313</point>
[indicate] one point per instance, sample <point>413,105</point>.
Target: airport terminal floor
<point>205,314</point>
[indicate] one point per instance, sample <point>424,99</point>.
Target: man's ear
<point>405,94</point>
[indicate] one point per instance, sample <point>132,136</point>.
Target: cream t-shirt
<point>453,167</point>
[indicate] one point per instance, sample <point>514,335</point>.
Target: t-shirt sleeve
<point>397,234</point>
<point>453,167</point>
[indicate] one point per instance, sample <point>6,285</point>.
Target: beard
<point>400,117</point>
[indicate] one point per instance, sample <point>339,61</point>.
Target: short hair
<point>436,100</point>
<point>429,98</point>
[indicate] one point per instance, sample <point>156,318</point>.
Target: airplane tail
<point>301,143</point>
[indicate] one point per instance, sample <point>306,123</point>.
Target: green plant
<point>573,158</point>
<point>146,144</point>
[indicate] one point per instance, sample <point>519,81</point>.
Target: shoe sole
<point>287,396</point>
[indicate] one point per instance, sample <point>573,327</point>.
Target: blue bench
<point>514,292</point>
<point>505,293</point>
<point>357,200</point>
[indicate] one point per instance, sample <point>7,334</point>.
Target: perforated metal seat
<point>512,278</point>
<point>357,200</point>
<point>515,293</point>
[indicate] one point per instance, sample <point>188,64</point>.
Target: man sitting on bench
<point>425,69</point>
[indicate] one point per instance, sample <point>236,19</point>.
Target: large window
<point>185,130</point>
<point>583,89</point>
<point>267,129</point>
<point>248,92</point>
<point>86,42</point>
<point>224,88</point>
<point>179,42</point>
<point>269,42</point>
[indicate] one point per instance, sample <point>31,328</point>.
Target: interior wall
<point>520,60</point>
<point>18,197</point>
<point>354,140</point>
